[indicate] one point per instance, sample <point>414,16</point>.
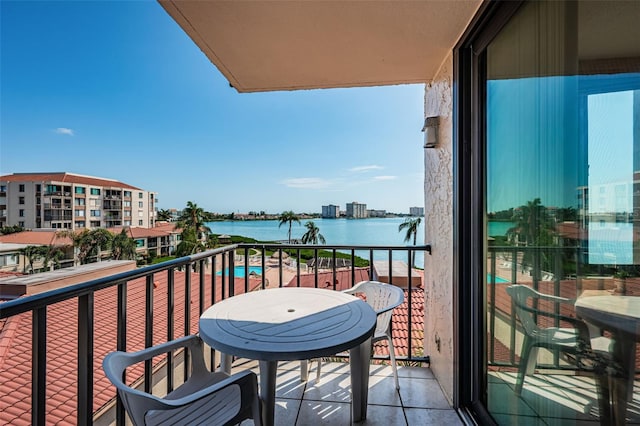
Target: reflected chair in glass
<point>383,298</point>
<point>205,398</point>
<point>575,340</point>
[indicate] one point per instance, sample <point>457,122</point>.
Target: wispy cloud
<point>361,169</point>
<point>64,131</point>
<point>385,177</point>
<point>307,183</point>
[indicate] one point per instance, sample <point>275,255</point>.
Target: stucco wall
<point>438,195</point>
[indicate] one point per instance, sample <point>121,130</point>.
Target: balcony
<point>51,371</point>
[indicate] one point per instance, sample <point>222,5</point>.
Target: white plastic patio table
<point>621,316</point>
<point>285,324</point>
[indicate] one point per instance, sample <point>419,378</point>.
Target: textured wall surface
<point>438,209</point>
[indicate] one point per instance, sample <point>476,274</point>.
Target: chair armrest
<point>243,379</point>
<point>190,341</point>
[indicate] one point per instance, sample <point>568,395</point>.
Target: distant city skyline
<point>124,94</point>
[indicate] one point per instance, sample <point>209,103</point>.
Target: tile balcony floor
<point>420,400</point>
<point>551,399</point>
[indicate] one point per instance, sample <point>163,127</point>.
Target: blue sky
<point>117,90</point>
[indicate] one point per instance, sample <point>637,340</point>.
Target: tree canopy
<point>313,235</point>
<point>288,217</point>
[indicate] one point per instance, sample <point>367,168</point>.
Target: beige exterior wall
<point>438,209</point>
<point>142,206</point>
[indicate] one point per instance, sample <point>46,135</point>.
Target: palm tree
<point>313,234</point>
<point>194,217</point>
<point>411,226</point>
<point>123,247</point>
<point>290,217</point>
<point>534,227</point>
<point>89,243</point>
<point>32,254</point>
<point>52,254</point>
<point>189,243</point>
<point>164,215</point>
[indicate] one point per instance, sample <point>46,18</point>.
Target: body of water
<point>499,228</point>
<point>238,271</point>
<point>372,231</point>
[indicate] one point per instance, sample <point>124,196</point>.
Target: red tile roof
<point>65,177</point>
<point>44,238</point>
<point>139,232</point>
<point>15,339</point>
<point>15,344</point>
<point>168,227</point>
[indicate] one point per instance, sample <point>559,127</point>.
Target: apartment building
<point>330,212</point>
<point>356,210</point>
<point>69,201</point>
<point>416,211</point>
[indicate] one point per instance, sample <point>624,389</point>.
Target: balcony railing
<point>196,282</point>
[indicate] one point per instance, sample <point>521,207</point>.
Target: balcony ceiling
<point>289,45</point>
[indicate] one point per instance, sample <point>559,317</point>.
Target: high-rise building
<point>416,211</point>
<point>330,212</point>
<point>356,210</point>
<point>69,201</point>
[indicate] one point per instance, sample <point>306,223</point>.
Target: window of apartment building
<point>95,213</point>
<point>126,203</point>
<point>8,260</point>
<point>79,201</point>
<point>20,200</point>
<point>79,213</point>
<point>21,212</point>
<point>554,88</point>
<point>80,190</point>
<point>21,224</point>
<point>127,213</point>
<point>80,223</point>
<point>94,224</point>
<point>95,191</point>
<point>140,204</point>
<point>140,195</point>
<point>140,222</point>
<point>93,202</point>
<point>21,187</point>
<point>38,188</point>
<point>127,194</point>
<point>127,223</point>
<point>3,188</point>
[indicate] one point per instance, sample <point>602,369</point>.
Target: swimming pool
<point>238,271</point>
<point>498,280</point>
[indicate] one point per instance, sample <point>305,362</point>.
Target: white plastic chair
<point>383,298</point>
<point>577,340</point>
<point>205,398</point>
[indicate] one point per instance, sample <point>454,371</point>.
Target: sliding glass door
<point>558,156</point>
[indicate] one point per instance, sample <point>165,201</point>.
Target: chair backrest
<point>541,305</point>
<point>382,297</point>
